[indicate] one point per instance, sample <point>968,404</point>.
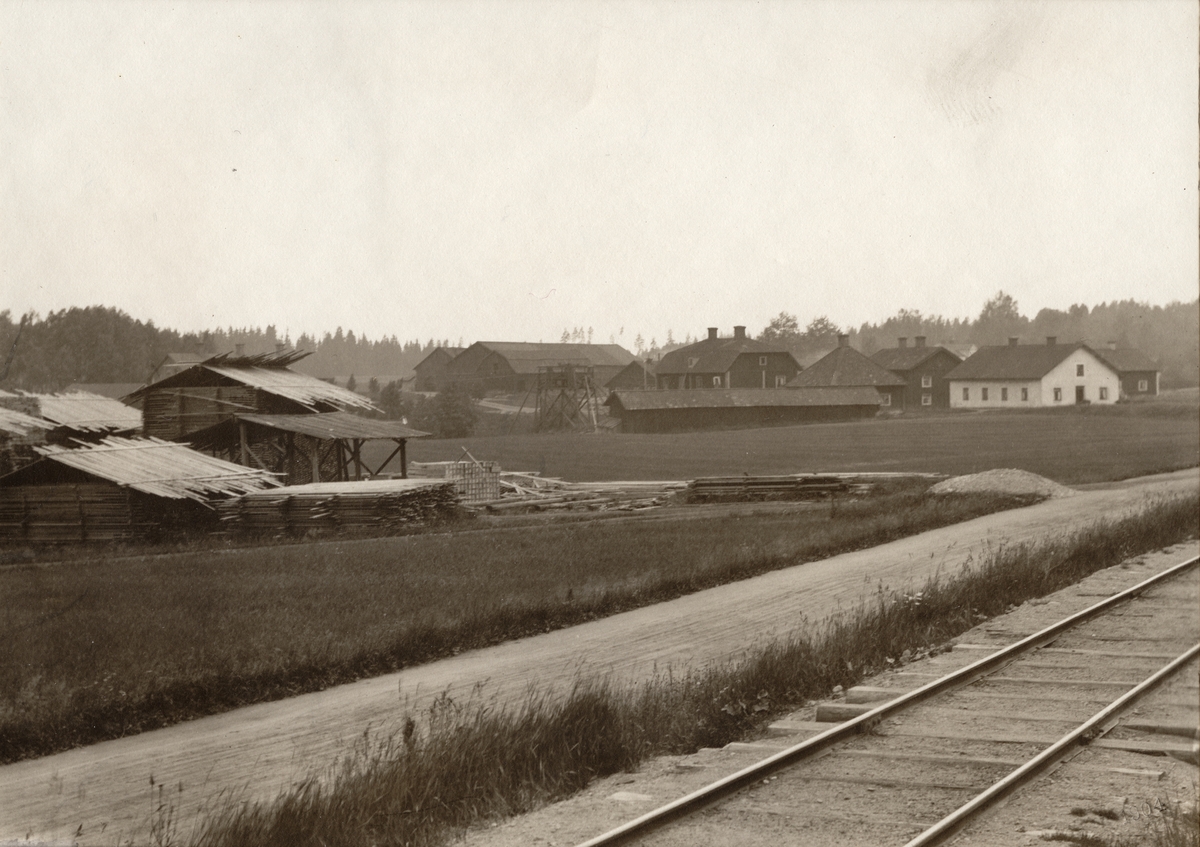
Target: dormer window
<point>692,362</point>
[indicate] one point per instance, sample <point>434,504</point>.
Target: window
<point>983,394</point>
<point>885,399</point>
<point>966,394</point>
<point>780,380</point>
<point>926,399</point>
<point>692,362</point>
<point>1058,395</point>
<point>762,360</point>
<point>1003,394</point>
<point>716,382</point>
<point>1103,393</point>
<point>1143,385</point>
<point>927,381</point>
<point>1079,370</point>
<point>1024,393</point>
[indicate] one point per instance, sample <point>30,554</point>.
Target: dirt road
<point>102,794</point>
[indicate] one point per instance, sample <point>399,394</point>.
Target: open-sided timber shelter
<point>318,447</point>
<point>117,489</point>
<point>256,411</point>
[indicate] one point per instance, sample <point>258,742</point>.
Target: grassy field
<point>479,763</point>
<point>1072,445</point>
<point>102,648</point>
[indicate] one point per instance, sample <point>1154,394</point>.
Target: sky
<point>507,170</point>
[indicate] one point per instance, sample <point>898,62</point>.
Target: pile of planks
<point>811,486</point>
<point>525,492</point>
<point>57,514</point>
<point>373,507</point>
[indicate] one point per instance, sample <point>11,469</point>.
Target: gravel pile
<point>1002,481</point>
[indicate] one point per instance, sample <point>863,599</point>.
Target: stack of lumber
<point>718,489</point>
<point>58,514</point>
<point>531,492</point>
<point>376,507</point>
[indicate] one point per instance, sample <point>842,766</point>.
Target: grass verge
<point>102,649</point>
<point>478,762</point>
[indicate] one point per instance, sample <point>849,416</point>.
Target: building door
<point>1079,398</point>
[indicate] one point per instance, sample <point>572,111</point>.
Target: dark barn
<point>431,371</point>
<point>737,362</point>
<point>513,366</point>
<point>924,370</point>
<point>845,367</point>
<point>738,408</point>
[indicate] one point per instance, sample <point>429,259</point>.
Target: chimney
<point>1051,340</point>
<point>239,350</point>
<point>1112,345</point>
<point>843,340</point>
<point>920,340</point>
<point>739,332</point>
<point>712,333</point>
<point>1013,340</point>
<point>902,342</point>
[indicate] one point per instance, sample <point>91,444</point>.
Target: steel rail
<point>1081,735</point>
<point>715,791</point>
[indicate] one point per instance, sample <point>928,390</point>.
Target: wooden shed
<point>220,387</point>
<point>119,488</point>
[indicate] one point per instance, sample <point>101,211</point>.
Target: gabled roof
<point>448,352</point>
<point>711,398</point>
<point>712,355</point>
<point>1015,361</point>
<point>266,372</point>
<point>527,357</point>
<point>160,468</point>
<point>907,358</point>
<point>85,412</point>
<point>845,366</point>
<point>1125,359</point>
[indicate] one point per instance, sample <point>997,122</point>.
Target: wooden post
<point>316,460</point>
<point>245,444</point>
<point>403,460</point>
<point>357,453</point>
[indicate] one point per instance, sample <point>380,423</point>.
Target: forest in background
<point>99,344</point>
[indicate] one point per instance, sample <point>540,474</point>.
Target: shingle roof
<point>906,358</point>
<point>711,355</point>
<point>87,412</point>
<point>710,398</point>
<point>20,423</point>
<point>1014,361</point>
<point>1125,359</point>
<point>527,356</point>
<point>161,468</point>
<point>267,372</point>
<point>845,366</point>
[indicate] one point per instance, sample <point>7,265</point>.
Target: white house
<point>1020,376</point>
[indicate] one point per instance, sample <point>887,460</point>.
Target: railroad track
<point>912,767</point>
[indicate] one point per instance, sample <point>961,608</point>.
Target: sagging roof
<point>1015,361</point>
<point>907,358</point>
<point>160,468</point>
<point>712,355</point>
<point>526,357</point>
<point>19,423</point>
<point>330,425</point>
<point>85,412</point>
<point>1125,359</point>
<point>266,372</point>
<point>713,398</point>
<point>844,367</point>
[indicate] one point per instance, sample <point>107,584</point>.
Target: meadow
<point>104,647</point>
<point>1072,445</point>
<point>478,763</point>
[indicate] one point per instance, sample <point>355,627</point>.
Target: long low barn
<point>732,408</point>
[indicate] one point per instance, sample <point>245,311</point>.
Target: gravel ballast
<point>1003,481</point>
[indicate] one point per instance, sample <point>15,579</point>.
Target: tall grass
<point>474,761</point>
<point>102,649</point>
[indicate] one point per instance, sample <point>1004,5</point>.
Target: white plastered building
<point>1016,376</point>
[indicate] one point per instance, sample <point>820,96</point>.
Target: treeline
<point>98,344</point>
<point>1170,335</point>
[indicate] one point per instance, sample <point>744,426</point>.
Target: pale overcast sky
<point>506,170</point>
